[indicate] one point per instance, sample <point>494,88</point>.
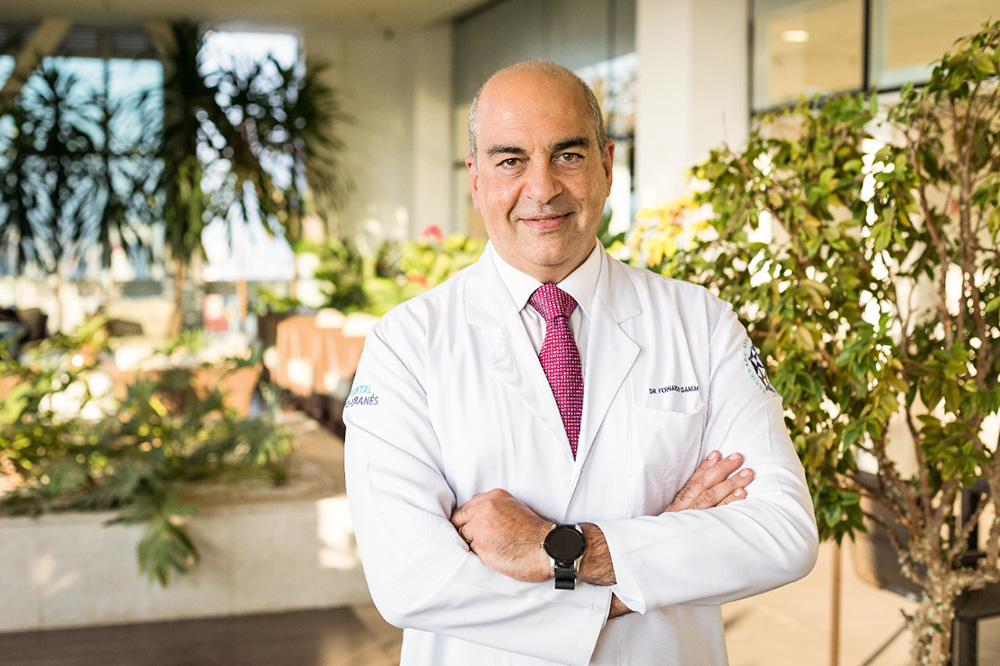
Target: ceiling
<point>348,15</point>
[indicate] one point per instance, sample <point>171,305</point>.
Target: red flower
<point>432,232</point>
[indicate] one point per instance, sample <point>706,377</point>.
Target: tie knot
<point>552,302</point>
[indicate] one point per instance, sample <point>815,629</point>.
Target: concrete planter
<point>262,549</point>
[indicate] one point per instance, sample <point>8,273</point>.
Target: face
<point>539,179</point>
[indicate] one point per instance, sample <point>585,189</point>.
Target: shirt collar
<point>580,284</point>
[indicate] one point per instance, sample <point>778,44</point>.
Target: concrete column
<point>693,89</point>
<point>432,136</point>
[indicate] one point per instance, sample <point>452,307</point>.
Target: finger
<point>712,471</point>
<point>739,482</point>
<point>709,486</point>
<point>465,538</point>
<point>730,490</point>
<point>711,459</point>
<point>720,471</point>
<point>695,485</point>
<point>464,513</point>
<point>734,496</point>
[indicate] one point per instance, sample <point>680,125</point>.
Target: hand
<point>617,608</point>
<point>505,534</point>
<point>713,484</point>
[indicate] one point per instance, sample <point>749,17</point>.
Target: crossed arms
<point>505,533</point>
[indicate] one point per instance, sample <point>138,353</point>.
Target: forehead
<point>532,106</point>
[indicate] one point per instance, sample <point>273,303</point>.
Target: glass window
<point>84,115</point>
<point>907,36</point>
<point>238,248</point>
<point>806,48</point>
<point>6,67</point>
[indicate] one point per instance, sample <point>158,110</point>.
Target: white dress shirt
<point>580,284</point>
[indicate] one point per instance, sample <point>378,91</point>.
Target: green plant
<point>70,448</point>
<point>342,268</point>
<point>266,302</point>
<point>434,257</point>
<point>69,180</point>
<point>397,272</point>
<point>261,137</point>
<point>860,246</point>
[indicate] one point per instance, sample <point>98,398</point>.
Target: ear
<point>470,164</point>
<point>609,162</point>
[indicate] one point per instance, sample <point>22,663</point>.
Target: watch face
<point>564,543</point>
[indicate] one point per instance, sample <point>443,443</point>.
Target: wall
<point>693,83</point>
<point>573,33</point>
<point>397,88</point>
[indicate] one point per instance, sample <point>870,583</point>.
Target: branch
<point>937,241</point>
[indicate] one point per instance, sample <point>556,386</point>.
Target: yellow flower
<point>657,230</point>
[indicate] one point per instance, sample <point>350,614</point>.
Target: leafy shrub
<point>67,443</point>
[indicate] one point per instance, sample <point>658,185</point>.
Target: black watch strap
<point>565,577</point>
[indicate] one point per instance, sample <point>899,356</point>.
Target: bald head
<point>538,68</point>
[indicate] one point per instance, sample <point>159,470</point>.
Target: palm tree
<point>241,128</point>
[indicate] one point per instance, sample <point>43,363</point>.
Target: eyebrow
<point>572,142</point>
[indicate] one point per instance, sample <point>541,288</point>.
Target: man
<point>551,395</point>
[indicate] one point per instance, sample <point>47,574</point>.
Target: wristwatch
<point>565,545</point>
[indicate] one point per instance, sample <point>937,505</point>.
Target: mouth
<point>542,223</point>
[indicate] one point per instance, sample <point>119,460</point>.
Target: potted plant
<point>859,243</point>
<point>69,444</point>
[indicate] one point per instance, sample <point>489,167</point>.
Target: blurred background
<point>226,195</point>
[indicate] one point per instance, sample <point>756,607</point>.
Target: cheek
<point>497,198</point>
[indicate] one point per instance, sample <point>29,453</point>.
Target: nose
<point>542,183</point>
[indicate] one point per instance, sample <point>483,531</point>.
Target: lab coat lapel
<point>512,357</point>
<point>610,351</point>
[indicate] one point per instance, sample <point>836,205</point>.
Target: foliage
<point>342,268</point>
<point>433,257</point>
<point>300,112</point>
<point>860,247</point>
<point>237,143</point>
<point>71,446</point>
<point>68,180</point>
<point>398,272</point>
<point>659,232</point>
<point>242,142</point>
<point>267,302</point>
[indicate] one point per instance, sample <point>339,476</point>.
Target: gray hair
<point>554,70</point>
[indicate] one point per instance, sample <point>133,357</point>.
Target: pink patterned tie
<point>559,356</point>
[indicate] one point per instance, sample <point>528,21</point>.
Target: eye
<point>569,158</point>
<point>509,163</point>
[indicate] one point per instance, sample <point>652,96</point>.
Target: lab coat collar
<point>580,284</point>
<point>489,301</point>
<point>611,352</point>
<point>489,306</point>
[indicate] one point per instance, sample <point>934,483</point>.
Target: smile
<point>544,222</point>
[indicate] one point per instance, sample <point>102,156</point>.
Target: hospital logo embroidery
<point>755,367</point>
<point>361,396</point>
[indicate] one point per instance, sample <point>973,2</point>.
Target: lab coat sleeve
<point>421,574</point>
<point>731,552</point>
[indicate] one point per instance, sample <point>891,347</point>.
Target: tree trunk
<point>177,318</point>
<point>931,627</point>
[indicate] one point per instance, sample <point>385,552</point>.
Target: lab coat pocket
<point>666,449</point>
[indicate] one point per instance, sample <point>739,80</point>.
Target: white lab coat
<point>450,400</point>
